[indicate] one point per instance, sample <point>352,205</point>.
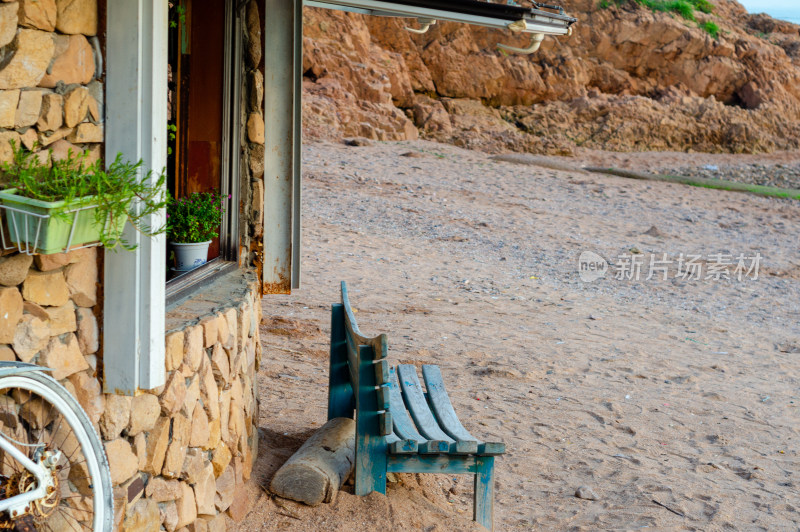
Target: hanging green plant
<point>55,205</point>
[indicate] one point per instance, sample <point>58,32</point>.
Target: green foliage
<point>704,6</point>
<point>684,8</point>
<point>195,218</point>
<point>711,28</point>
<point>172,132</point>
<point>79,183</point>
<point>176,14</point>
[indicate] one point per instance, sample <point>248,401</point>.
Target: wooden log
<point>316,472</point>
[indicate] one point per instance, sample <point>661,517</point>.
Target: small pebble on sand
<point>585,492</point>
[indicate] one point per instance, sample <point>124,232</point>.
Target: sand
<point>682,391</point>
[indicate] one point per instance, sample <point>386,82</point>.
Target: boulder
<point>161,489</point>
<point>193,352</point>
<point>62,319</point>
<point>255,128</point>
<point>14,268</point>
<point>174,350</point>
<point>89,394</point>
<point>28,108</point>
<point>45,263</point>
<point>187,508</point>
<point>10,313</point>
<point>171,399</point>
<point>76,105</point>
<point>29,138</point>
<point>63,357</point>
<point>46,288</point>
<point>157,442</point>
<point>81,278</point>
<point>6,153</point>
<point>38,14</point>
<point>86,132</point>
<point>88,331</point>
<point>8,23</point>
<point>205,490</point>
<point>77,16</point>
<point>9,99</point>
<point>145,411</point>
<point>30,54</point>
<point>121,460</point>
<point>143,516</point>
<point>176,452</point>
<point>116,416</point>
<point>31,336</point>
<point>74,65</point>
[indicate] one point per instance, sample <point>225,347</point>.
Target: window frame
<point>183,285</point>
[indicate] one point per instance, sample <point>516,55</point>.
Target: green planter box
<point>47,227</point>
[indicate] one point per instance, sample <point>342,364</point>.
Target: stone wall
<point>179,454</point>
<point>50,96</point>
<point>252,167</point>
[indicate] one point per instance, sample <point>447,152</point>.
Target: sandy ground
<point>682,391</point>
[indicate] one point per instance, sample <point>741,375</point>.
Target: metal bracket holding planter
<point>27,227</point>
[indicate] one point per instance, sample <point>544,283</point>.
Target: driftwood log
<point>318,469</point>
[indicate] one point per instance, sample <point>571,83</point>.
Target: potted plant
<point>52,206</point>
<point>192,222</point>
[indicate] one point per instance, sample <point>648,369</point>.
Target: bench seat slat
<point>398,446</point>
<point>404,427</point>
<point>418,406</point>
<point>492,448</point>
<point>440,403</point>
<point>441,406</point>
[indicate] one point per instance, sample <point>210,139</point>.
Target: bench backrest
<point>359,376</point>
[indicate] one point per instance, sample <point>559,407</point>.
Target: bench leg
<point>370,467</point>
<point>483,509</point>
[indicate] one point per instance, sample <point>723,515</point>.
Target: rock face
<point>627,79</point>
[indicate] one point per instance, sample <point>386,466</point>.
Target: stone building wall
<point>50,93</point>
<point>179,454</point>
<point>252,167</point>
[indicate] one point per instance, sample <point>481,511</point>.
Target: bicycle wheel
<point>37,414</point>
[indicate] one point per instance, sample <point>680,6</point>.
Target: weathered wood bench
<point>399,427</point>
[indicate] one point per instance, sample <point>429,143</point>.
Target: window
<point>203,121</point>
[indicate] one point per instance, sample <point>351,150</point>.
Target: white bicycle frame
<point>17,504</point>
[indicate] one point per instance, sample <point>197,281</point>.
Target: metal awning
<point>541,19</point>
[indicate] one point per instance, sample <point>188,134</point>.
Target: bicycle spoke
<point>33,418</point>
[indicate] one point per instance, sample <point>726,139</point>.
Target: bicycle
<point>54,473</point>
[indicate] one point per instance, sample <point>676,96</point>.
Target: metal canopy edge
<point>497,16</point>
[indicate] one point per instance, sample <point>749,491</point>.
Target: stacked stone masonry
<point>252,183</point>
<point>50,94</point>
<point>179,454</point>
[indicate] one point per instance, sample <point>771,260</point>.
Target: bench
<point>400,428</point>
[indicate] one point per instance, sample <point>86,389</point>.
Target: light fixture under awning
<point>500,16</point>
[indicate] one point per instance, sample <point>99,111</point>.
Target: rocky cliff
<point>628,79</point>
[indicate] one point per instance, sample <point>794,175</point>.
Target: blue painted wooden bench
<point>400,427</point>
